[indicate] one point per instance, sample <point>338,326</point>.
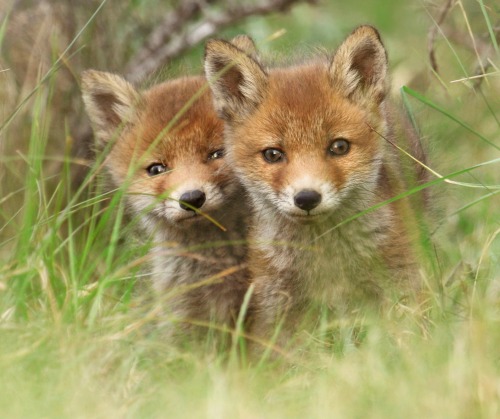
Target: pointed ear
<point>238,82</point>
<point>247,45</point>
<point>110,102</point>
<point>359,67</point>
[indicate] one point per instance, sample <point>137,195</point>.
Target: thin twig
<point>433,34</point>
<point>178,32</point>
<point>162,34</point>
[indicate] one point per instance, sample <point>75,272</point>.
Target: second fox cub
<point>309,144</point>
<point>168,155</point>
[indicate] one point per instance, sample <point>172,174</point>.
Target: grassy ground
<point>75,335</point>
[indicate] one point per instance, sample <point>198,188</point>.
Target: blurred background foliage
<point>35,34</point>
<point>38,32</point>
<point>83,349</point>
<point>431,44</point>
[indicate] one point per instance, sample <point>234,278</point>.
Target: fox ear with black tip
<point>359,67</point>
<point>110,101</point>
<point>237,79</point>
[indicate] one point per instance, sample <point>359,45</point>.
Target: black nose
<point>195,199</point>
<point>307,199</point>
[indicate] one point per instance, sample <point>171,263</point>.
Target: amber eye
<point>273,155</point>
<point>339,147</point>
<point>217,154</point>
<point>156,169</point>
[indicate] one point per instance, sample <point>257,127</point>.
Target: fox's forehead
<point>179,119</point>
<point>185,137</point>
<point>300,86</point>
<point>178,102</point>
<point>302,104</point>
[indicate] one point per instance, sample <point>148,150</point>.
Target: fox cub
<point>311,143</point>
<point>168,155</point>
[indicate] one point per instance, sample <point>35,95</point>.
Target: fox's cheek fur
<point>283,185</point>
<point>172,197</point>
<point>307,181</point>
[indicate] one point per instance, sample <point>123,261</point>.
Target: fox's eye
<point>217,154</point>
<point>273,155</point>
<point>339,147</point>
<point>156,169</point>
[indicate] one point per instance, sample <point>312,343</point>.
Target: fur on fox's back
<point>173,125</point>
<point>327,121</point>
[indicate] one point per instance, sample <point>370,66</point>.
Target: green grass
<point>77,336</point>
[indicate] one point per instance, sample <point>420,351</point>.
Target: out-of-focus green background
<point>75,338</point>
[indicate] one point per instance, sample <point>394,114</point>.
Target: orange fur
<point>301,258</point>
<point>155,127</point>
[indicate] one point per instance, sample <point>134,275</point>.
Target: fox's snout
<point>307,199</point>
<point>193,199</point>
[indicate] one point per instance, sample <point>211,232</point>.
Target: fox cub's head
<point>305,140</point>
<point>164,146</point>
